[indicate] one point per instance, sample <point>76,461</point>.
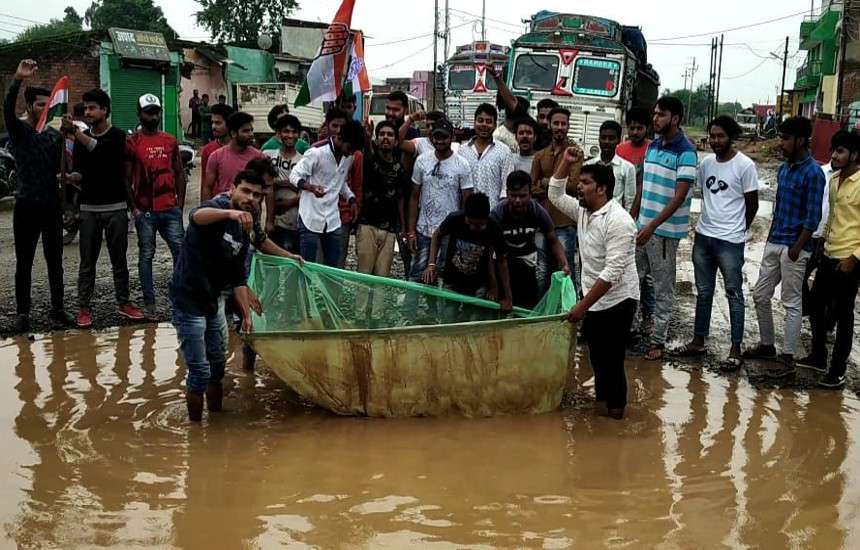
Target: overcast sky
<point>750,73</point>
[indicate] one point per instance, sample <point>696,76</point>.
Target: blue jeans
<point>330,242</point>
<point>546,262</point>
<point>419,263</point>
<point>168,224</point>
<point>710,254</point>
<point>202,345</point>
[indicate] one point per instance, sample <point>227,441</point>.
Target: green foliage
<point>696,105</point>
<point>140,15</point>
<point>72,16</point>
<point>54,27</point>
<point>243,20</point>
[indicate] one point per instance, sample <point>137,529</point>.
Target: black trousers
<point>606,333</point>
<point>113,228</point>
<point>28,224</point>
<point>833,294</point>
<point>524,283</point>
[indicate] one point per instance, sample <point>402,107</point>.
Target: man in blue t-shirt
<point>213,256</point>
<point>669,175</point>
<point>796,215</point>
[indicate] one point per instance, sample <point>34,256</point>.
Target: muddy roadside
<point>104,305</point>
<point>719,341</point>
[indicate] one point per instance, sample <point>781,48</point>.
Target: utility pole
<point>719,76</point>
<point>435,52</point>
<point>782,86</point>
<point>446,43</point>
<point>693,70</point>
<point>849,23</point>
<point>483,20</point>
<point>712,79</point>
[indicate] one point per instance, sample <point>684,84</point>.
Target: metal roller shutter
<point>127,84</point>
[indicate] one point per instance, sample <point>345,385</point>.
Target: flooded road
<point>97,452</point>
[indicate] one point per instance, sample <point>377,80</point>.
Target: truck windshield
<point>536,72</point>
<point>596,77</point>
<point>377,105</point>
<point>461,78</point>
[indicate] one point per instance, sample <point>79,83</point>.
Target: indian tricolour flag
<point>328,73</point>
<point>57,105</point>
<point>357,80</point>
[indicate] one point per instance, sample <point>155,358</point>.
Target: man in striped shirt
<point>669,174</point>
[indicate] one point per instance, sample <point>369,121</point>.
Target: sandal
<point>654,353</point>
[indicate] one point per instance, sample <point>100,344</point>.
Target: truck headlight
<point>594,151</point>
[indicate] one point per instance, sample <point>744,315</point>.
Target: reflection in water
<point>99,453</point>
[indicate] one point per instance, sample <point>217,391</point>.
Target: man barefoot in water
<point>220,231</point>
<point>607,242</point>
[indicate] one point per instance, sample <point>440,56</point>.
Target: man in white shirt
<point>729,185</point>
<point>283,228</point>
<point>526,130</point>
<point>610,283</point>
<point>441,184</point>
<point>486,157</point>
<point>623,170</point>
<point>321,177</point>
<point>416,147</point>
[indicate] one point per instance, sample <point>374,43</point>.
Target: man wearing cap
<point>156,181</point>
<point>441,183</point>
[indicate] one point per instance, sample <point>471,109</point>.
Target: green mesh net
<point>317,297</point>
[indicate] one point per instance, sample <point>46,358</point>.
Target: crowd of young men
<point>492,217</point>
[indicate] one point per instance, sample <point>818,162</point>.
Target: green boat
<point>423,351</point>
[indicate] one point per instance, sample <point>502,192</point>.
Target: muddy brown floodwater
<point>97,453</point>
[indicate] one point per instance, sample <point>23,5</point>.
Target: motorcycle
<point>8,171</point>
<point>188,155</point>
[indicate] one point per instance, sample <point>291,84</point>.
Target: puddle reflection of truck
<point>467,84</point>
<point>594,67</point>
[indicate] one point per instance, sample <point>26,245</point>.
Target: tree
<point>140,15</point>
<point>71,22</point>
<point>243,20</point>
<point>72,16</point>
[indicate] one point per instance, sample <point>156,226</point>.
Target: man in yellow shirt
<point>838,274</point>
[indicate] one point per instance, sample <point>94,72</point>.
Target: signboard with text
<point>140,45</point>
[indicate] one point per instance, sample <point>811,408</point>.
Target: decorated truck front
<point>467,83</point>
<point>591,66</point>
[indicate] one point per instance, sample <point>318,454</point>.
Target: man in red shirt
<point>220,114</point>
<point>156,180</point>
<point>633,150</point>
<point>223,164</point>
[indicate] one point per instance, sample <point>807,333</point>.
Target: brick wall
<point>82,70</point>
<point>850,87</point>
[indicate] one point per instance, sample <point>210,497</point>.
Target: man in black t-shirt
<point>476,254</point>
<point>220,232</point>
<point>382,213</point>
<point>99,162</point>
<point>523,222</point>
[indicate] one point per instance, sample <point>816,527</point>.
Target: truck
<point>257,99</point>
<point>467,83</point>
<point>748,121</point>
<point>374,106</point>
<point>592,66</point>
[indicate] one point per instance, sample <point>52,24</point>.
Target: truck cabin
<point>580,61</point>
<point>468,84</point>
